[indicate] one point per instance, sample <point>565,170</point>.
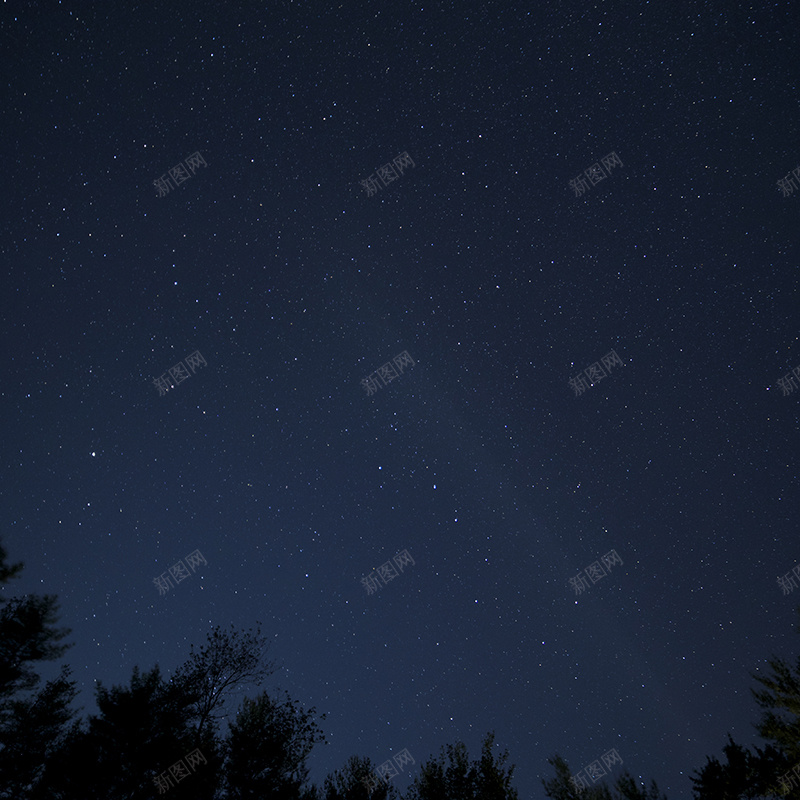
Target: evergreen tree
<point>8,571</point>
<point>624,787</point>
<point>492,780</point>
<point>267,749</point>
<point>561,788</point>
<point>628,789</point>
<point>748,774</point>
<point>353,782</point>
<point>27,636</point>
<point>744,775</point>
<point>33,722</point>
<point>451,776</point>
<point>32,732</point>
<point>780,700</point>
<point>141,731</point>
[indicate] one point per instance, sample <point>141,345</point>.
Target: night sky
<point>502,283</point>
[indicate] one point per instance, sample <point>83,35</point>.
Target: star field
<point>294,284</point>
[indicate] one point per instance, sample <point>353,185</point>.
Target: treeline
<point>181,738</point>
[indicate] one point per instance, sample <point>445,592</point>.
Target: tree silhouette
<point>32,723</point>
<point>560,787</point>
<point>451,776</point>
<point>744,775</point>
<point>226,665</point>
<point>8,571</point>
<point>349,783</point>
<point>32,731</point>
<point>747,774</point>
<point>624,787</point>
<point>140,732</point>
<point>267,749</point>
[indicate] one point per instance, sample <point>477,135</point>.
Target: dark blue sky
<point>480,262</point>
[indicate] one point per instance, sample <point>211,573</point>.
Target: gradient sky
<point>482,263</point>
